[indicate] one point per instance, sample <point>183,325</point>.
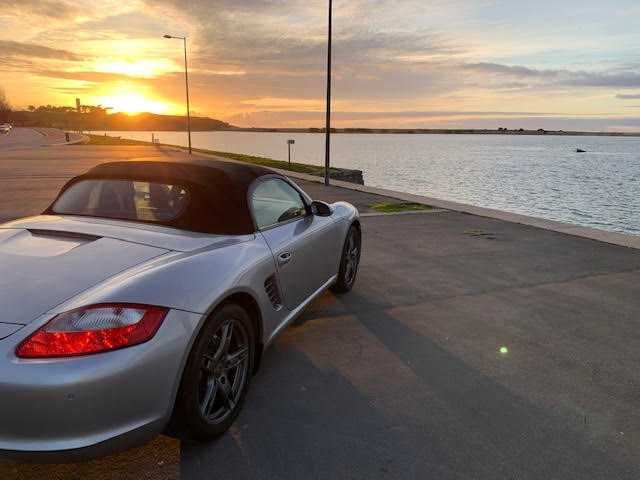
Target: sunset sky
<point>398,63</point>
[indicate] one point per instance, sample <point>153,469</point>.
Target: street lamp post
<point>186,82</point>
<point>327,153</point>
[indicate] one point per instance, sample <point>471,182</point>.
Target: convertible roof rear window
<point>199,195</point>
<point>123,199</point>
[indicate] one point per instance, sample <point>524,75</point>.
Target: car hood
<point>134,232</point>
<point>39,269</point>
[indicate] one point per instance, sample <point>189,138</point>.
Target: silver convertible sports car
<point>142,300</point>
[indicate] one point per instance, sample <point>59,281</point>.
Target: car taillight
<point>93,329</point>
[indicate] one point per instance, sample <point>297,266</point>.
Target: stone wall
<point>347,175</point>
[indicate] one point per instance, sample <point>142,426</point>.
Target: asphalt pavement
<point>22,137</point>
<point>35,137</point>
<point>470,348</point>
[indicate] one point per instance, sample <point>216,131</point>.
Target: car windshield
<point>124,200</point>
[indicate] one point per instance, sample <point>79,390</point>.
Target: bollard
<point>289,143</point>
<point>66,136</point>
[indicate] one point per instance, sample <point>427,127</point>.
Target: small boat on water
<point>579,150</point>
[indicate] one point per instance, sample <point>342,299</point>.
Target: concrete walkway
<point>36,137</point>
<point>471,348</point>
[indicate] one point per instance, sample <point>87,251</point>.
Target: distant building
<point>78,106</point>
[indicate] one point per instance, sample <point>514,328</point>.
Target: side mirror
<point>321,209</point>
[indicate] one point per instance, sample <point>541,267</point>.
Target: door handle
<point>284,257</point>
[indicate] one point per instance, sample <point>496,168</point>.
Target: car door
<point>302,243</point>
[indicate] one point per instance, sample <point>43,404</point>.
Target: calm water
<point>532,175</point>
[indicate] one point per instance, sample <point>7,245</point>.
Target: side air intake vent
<point>271,287</point>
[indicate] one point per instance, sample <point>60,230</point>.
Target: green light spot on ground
<point>504,350</point>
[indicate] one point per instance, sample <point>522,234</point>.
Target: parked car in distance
<point>5,128</point>
<point>141,301</point>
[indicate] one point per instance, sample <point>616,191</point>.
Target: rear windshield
<point>124,200</point>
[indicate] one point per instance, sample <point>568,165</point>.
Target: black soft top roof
<point>218,190</point>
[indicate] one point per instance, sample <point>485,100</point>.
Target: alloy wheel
<point>224,368</point>
<point>352,258</point>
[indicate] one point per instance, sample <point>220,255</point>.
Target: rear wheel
<point>349,262</point>
<point>217,375</point>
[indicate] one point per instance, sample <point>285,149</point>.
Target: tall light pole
<point>327,153</point>
<point>186,82</point>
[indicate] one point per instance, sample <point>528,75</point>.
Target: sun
<point>132,102</point>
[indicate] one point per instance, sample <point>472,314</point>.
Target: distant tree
<point>94,110</point>
<point>31,108</point>
<point>5,107</point>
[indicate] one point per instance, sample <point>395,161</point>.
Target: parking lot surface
<point>470,348</point>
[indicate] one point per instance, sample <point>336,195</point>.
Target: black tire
<point>201,375</point>
<point>349,261</point>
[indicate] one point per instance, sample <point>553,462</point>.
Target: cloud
<point>290,36</point>
<point>409,61</point>
<point>9,48</point>
<point>440,119</point>
<point>43,8</point>
<point>347,115</point>
<point>510,70</point>
<point>74,90</point>
<point>634,96</point>
<point>382,54</point>
<point>12,64</point>
<point>630,79</point>
<point>280,46</point>
<point>89,76</point>
<point>135,24</point>
<point>299,117</point>
<point>615,78</point>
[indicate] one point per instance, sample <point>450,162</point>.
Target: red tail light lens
<point>93,329</point>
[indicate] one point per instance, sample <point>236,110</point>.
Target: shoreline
<point>419,131</point>
<point>412,131</point>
